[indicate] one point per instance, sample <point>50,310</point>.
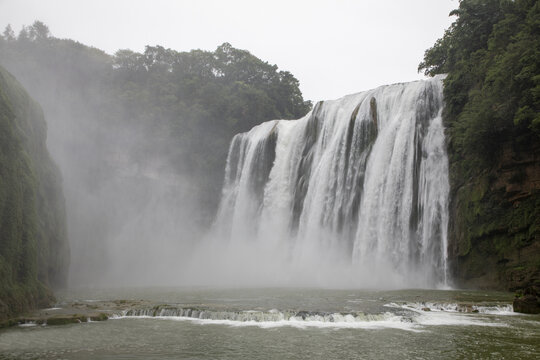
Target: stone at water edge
<point>529,303</point>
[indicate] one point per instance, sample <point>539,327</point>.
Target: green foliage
<point>33,245</point>
<point>492,56</point>
<point>189,105</point>
<point>8,34</point>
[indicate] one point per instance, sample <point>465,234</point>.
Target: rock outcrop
<point>529,302</point>
<point>495,221</point>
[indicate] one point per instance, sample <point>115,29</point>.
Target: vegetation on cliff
<point>34,254</point>
<point>491,54</point>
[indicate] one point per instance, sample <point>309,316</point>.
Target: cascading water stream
<point>357,189</point>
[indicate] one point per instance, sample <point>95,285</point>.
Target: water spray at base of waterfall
<point>355,194</point>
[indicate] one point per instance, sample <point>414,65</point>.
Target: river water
<point>291,323</point>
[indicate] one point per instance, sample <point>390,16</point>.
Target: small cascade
<point>356,189</point>
<point>405,316</point>
<point>255,316</point>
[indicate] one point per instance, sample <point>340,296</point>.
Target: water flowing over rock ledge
<point>358,186</point>
<point>406,315</point>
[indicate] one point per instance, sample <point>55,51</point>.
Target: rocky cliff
<point>34,252</point>
<point>495,226</point>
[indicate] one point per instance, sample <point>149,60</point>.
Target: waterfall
<point>356,190</point>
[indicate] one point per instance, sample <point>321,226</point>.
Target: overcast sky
<point>334,47</point>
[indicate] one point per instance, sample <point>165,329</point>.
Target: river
<point>286,323</point>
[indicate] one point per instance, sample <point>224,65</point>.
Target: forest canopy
<point>491,54</point>
<point>189,105</point>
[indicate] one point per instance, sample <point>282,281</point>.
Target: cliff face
<point>34,252</point>
<point>495,221</point>
<point>492,120</point>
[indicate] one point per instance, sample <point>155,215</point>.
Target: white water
<point>423,307</point>
<point>415,319</point>
<point>353,194</point>
<point>388,321</point>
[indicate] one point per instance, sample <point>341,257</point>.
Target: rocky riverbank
<point>75,312</point>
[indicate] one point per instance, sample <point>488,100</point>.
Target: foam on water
<point>407,316</point>
<point>496,310</point>
<point>423,307</point>
<point>28,324</point>
<point>454,319</point>
<point>339,321</point>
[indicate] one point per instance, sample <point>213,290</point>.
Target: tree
<point>491,56</point>
<point>39,31</point>
<point>23,34</point>
<point>189,105</point>
<point>9,34</point>
<point>127,60</point>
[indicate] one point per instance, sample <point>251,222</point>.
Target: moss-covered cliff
<point>492,115</point>
<point>495,232</point>
<point>34,253</point>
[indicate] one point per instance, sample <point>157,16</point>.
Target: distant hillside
<point>34,251</point>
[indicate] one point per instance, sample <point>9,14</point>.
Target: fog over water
<point>268,180</point>
<point>134,209</point>
<point>131,216</point>
<point>352,195</point>
<point>355,194</point>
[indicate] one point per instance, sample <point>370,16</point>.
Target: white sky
<point>334,48</point>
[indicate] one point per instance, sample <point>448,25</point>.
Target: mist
<point>175,171</point>
<point>238,179</point>
<point>141,141</point>
<point>131,215</point>
<point>353,195</point>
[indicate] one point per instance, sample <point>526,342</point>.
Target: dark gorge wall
<point>34,252</point>
<point>495,220</point>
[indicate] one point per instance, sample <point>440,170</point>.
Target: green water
<point>336,324</point>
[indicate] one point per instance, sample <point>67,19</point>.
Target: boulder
<point>529,302</point>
